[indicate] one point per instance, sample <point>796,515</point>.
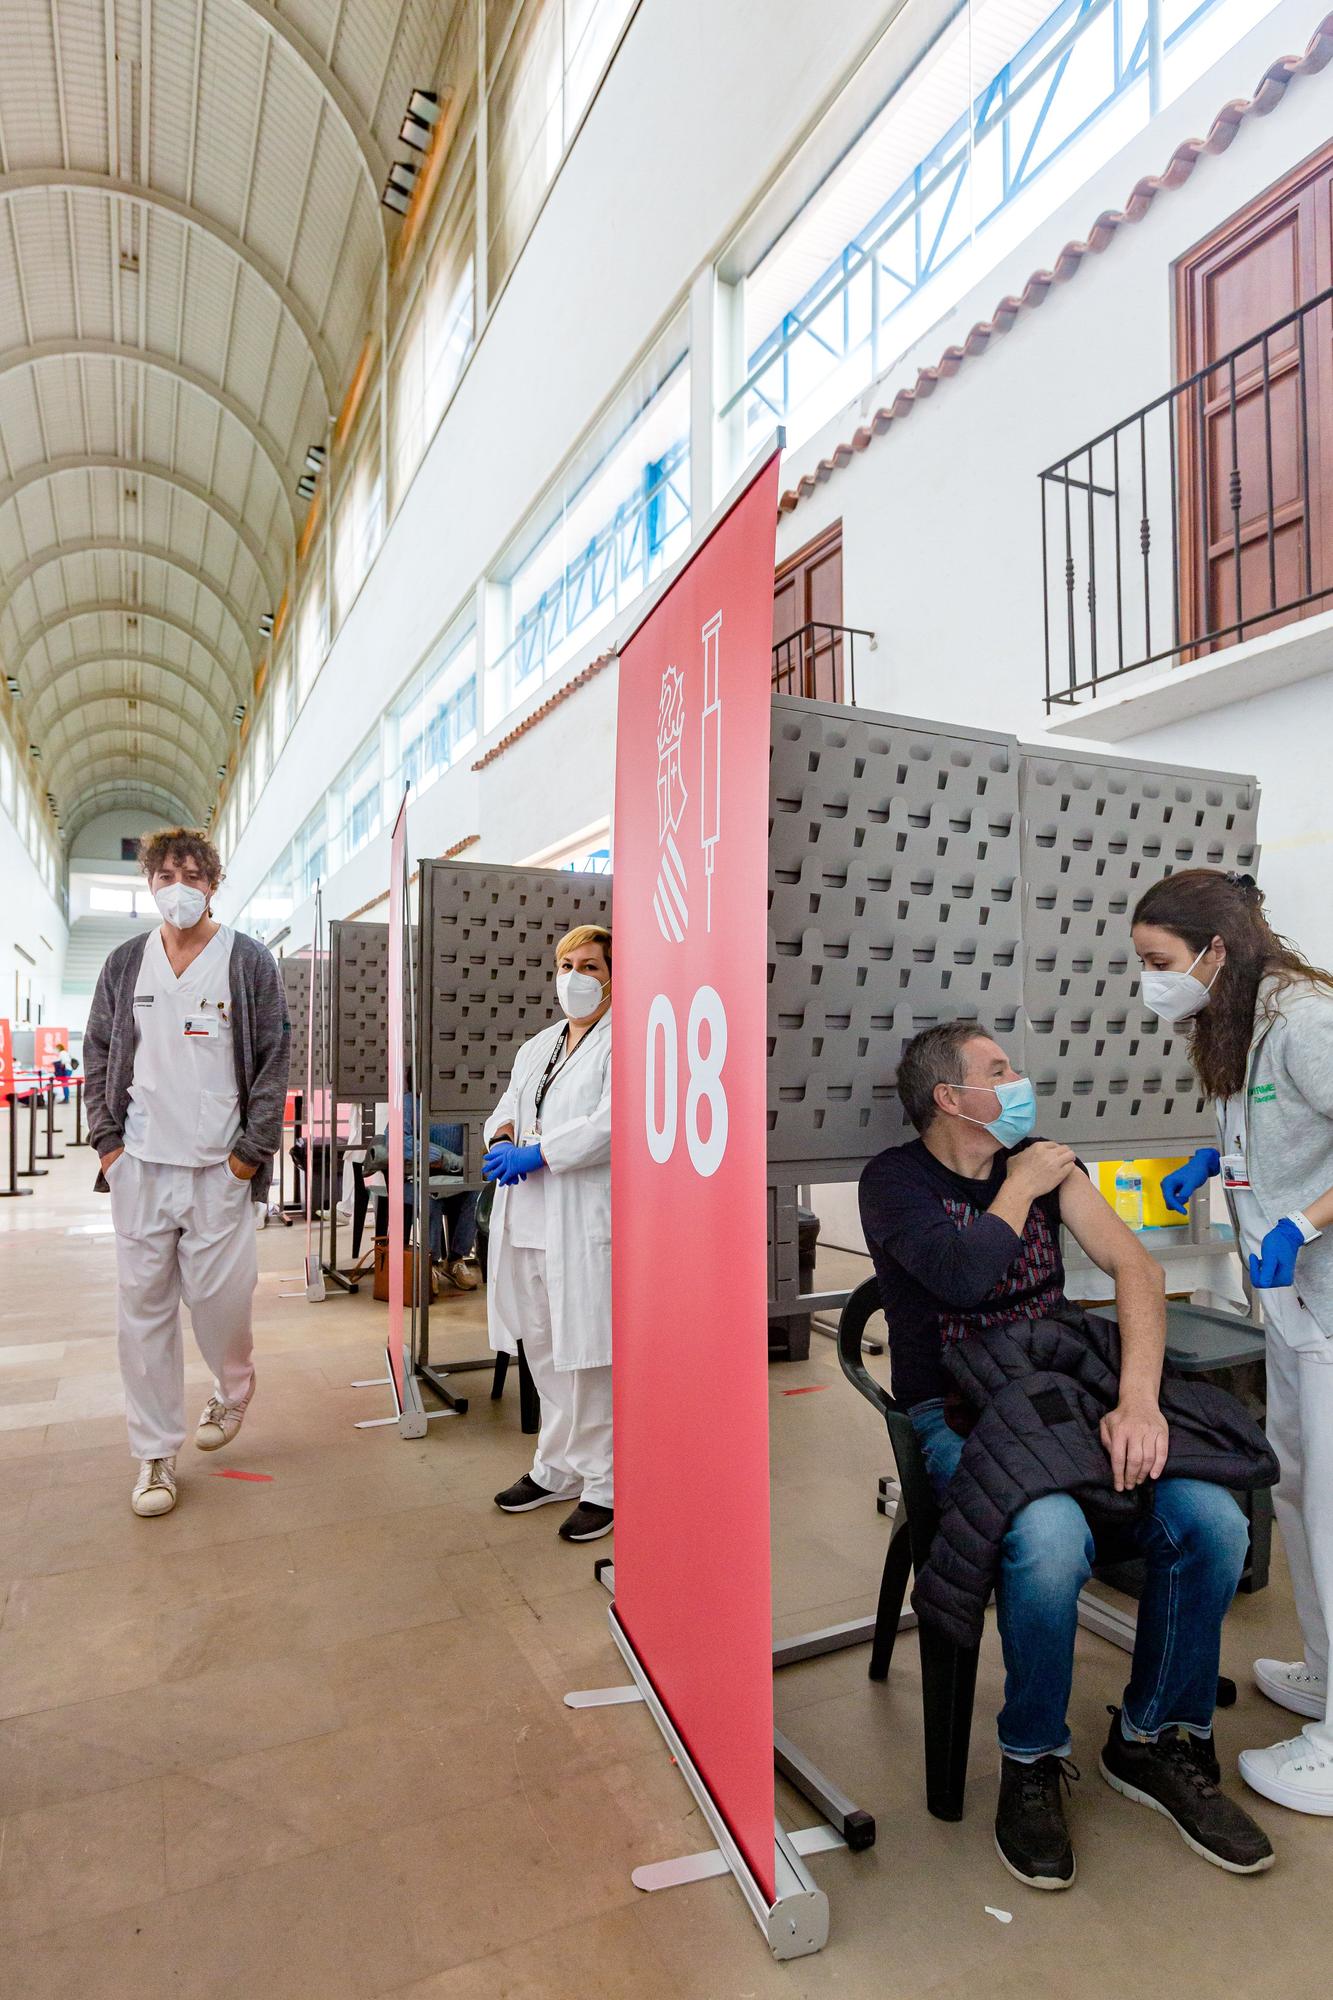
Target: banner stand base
<point>796,1922</point>
<point>711,1863</point>
<point>852,1824</point>
<point>410,1418</point>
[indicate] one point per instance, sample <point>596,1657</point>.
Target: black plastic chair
<point>948,1672</point>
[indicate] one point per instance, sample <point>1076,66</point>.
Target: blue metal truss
<point>619,561</point>
<point>1025,118</point>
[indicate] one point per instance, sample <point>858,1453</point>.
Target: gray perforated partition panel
<point>296,986</point>
<point>1097,831</point>
<point>360,976</point>
<point>893,903</point>
<point>919,873</point>
<point>488,975</point>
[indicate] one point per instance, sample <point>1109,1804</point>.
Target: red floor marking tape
<point>230,1472</point>
<point>810,1389</point>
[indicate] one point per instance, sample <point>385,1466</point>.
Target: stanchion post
<point>51,1153</point>
<point>78,1139</point>
<point>33,1172</point>
<point>13,1188</point>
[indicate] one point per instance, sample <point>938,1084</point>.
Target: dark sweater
<point>261,1045</point>
<point>946,1268</point>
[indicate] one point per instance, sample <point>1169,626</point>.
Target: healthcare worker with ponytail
<point>1260,1021</point>
<point>549,1259</point>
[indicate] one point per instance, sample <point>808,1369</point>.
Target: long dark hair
<point>1198,905</point>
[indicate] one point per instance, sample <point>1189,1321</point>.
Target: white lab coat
<point>576,1143</point>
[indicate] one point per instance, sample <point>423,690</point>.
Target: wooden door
<point>807,620</point>
<point>1255,429</point>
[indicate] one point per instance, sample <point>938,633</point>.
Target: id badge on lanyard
<point>1235,1172</point>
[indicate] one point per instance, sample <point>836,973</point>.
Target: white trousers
<point>1300,1430</point>
<point>574,1447</point>
<point>181,1233</point>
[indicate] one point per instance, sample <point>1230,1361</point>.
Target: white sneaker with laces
<point>1298,1774</point>
<point>1291,1684</point>
<point>220,1422</point>
<point>155,1488</point>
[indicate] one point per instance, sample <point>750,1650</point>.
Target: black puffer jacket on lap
<point>1040,1389</point>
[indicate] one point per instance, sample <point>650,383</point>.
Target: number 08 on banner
<point>705,1091</point>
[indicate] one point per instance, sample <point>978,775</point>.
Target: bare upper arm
<point>1097,1229</point>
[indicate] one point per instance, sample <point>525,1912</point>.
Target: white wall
<point>941,515</point>
<point>99,841</point>
<point>700,104</point>
<point>31,924</point>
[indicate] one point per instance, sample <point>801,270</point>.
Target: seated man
<point>963,1226</point>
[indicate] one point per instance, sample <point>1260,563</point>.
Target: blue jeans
<point>1194,1543</point>
<point>459,1211</point>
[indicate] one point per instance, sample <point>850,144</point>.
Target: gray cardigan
<point>261,1046</point>
<point>1289,1121</point>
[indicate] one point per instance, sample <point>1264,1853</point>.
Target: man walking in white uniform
<point>186,1053</point>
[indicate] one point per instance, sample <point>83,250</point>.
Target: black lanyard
<point>556,1066</point>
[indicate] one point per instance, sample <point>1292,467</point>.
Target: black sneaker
<point>524,1495</point>
<point>587,1523</point>
<point>1179,1776</point>
<point>1031,1837</point>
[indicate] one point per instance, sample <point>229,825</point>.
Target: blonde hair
<point>585,934</point>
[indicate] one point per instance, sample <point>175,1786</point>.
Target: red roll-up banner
<point>47,1043</point>
<point>6,1060</point>
<point>397,1079</point>
<point>689,1170</point>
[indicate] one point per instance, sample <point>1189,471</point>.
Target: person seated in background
<point>963,1225</point>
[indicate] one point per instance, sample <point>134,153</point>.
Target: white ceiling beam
<point>63,349</point>
<point>103,608</point>
<point>59,752</point>
<point>41,717</point>
<point>68,180</point>
<point>84,750</point>
<point>126,468</point>
<point>91,545</point>
<point>371,157</point>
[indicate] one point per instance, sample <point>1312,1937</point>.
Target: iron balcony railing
<point>819,662</point>
<point>1196,522</point>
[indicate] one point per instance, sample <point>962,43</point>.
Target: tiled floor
<point>304,1739</point>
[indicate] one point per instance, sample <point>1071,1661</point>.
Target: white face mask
<point>579,994</point>
<point>1176,996</point>
<point>181,905</point>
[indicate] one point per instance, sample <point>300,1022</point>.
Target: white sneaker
<point>155,1488</point>
<point>1298,1774</point>
<point>1293,1685</point>
<point>220,1422</point>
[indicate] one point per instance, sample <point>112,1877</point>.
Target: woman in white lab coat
<point>549,1258</point>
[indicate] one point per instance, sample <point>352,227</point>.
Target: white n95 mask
<point>1176,996</point>
<point>180,905</point>
<point>579,994</point>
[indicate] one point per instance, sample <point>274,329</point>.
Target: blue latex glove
<point>1187,1180</point>
<point>507,1163</point>
<point>1275,1266</point>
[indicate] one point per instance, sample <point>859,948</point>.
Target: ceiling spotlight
<point>395,199</point>
<point>12,683</point>
<point>314,460</point>
<point>266,623</point>
<point>305,486</point>
<point>403,176</point>
<point>35,751</point>
<point>423,115</point>
<point>239,716</point>
<point>222,770</point>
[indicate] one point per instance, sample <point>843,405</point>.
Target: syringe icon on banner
<point>710,786</point>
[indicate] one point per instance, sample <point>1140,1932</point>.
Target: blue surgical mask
<point>1018,1110</point>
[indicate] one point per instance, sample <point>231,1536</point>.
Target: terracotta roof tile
<point>539,714</point>
<point>1269,94</point>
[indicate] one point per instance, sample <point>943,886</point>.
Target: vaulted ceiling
<point>190,253</point>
